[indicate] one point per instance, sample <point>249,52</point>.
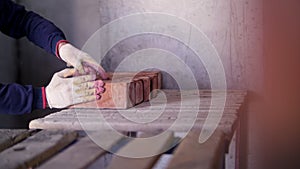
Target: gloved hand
<point>81,61</point>
<point>65,90</point>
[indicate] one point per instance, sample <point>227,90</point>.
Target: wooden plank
<point>193,155</point>
<point>82,154</point>
<point>171,114</point>
<point>207,92</point>
<point>132,114</point>
<point>35,149</point>
<point>10,137</point>
<point>124,125</point>
<point>186,106</point>
<point>147,147</point>
<point>128,92</point>
<point>116,120</point>
<point>124,119</point>
<point>68,119</point>
<point>163,161</point>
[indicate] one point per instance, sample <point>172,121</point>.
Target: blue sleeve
<point>16,22</point>
<point>17,99</point>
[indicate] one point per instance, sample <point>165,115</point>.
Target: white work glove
<point>65,90</point>
<point>81,61</point>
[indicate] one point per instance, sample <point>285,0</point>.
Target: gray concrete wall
<point>8,72</point>
<point>234,34</point>
<point>8,59</point>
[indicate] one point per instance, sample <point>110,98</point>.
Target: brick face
<point>125,90</point>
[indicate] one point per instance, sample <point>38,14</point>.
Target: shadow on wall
<point>8,60</point>
<point>169,53</point>
<point>8,71</point>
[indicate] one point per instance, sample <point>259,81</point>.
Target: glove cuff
<point>57,48</point>
<point>39,98</point>
<point>44,98</point>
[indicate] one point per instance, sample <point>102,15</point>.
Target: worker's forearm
<point>16,22</point>
<point>17,99</point>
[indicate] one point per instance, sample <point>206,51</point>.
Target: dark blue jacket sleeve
<point>16,22</point>
<point>17,99</point>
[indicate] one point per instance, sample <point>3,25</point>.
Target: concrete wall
<point>8,60</point>
<point>233,26</point>
<point>8,72</point>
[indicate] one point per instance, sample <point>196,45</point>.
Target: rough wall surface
<point>230,25</point>
<point>8,60</point>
